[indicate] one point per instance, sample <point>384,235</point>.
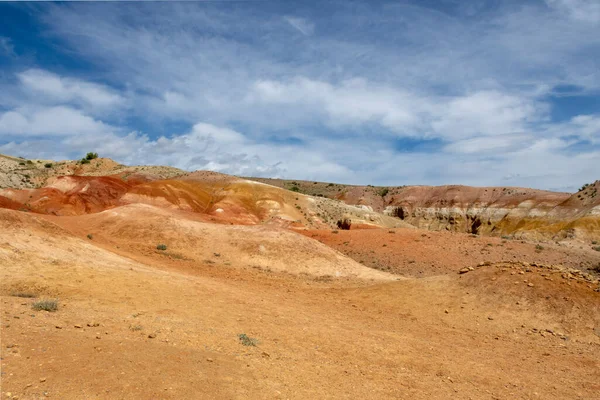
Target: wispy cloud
<point>302,25</point>
<point>6,47</point>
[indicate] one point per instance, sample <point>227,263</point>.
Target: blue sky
<point>387,93</point>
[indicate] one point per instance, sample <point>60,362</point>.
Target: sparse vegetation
<point>25,295</point>
<point>90,236</point>
<point>135,328</point>
<point>49,305</point>
<point>84,161</point>
<point>383,192</point>
<point>344,224</point>
<point>91,156</point>
<point>48,165</point>
<point>161,247</point>
<point>247,340</point>
<point>597,248</point>
<point>538,248</point>
<point>295,189</point>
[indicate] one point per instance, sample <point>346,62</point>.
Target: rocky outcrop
<point>500,211</point>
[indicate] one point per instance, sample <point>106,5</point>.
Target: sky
<point>482,93</point>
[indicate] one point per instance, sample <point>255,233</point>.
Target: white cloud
<point>49,121</point>
<point>356,102</point>
<point>487,113</point>
<point>65,90</point>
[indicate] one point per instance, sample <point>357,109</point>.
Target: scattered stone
<point>490,318</point>
<point>42,379</point>
<point>530,284</point>
<point>152,336</point>
<point>464,270</point>
<point>78,326</point>
<point>58,327</point>
<point>210,359</point>
<point>93,324</point>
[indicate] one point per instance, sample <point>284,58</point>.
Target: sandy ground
<point>419,253</point>
<point>137,323</point>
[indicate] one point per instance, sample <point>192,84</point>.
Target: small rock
<point>446,311</point>
<point>464,270</point>
<point>78,326</point>
<point>58,327</point>
<point>530,284</point>
<point>152,336</point>
<point>490,318</point>
<point>42,379</point>
<point>210,359</point>
<point>93,324</point>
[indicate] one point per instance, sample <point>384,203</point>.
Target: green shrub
<point>29,162</point>
<point>91,156</point>
<point>162,247</point>
<point>597,248</point>
<point>84,161</point>
<point>383,192</point>
<point>295,189</point>
<point>45,305</point>
<point>539,247</point>
<point>48,165</point>
<point>246,340</point>
<point>21,163</point>
<point>89,236</point>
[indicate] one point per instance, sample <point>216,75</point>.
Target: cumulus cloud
<point>49,121</point>
<point>65,89</point>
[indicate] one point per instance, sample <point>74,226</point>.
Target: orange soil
<point>135,322</point>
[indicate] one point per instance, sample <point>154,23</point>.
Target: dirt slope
<point>218,197</point>
<point>495,211</point>
<point>134,324</point>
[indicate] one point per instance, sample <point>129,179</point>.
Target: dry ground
<point>137,322</point>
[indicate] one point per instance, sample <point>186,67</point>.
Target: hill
<point>125,282</point>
